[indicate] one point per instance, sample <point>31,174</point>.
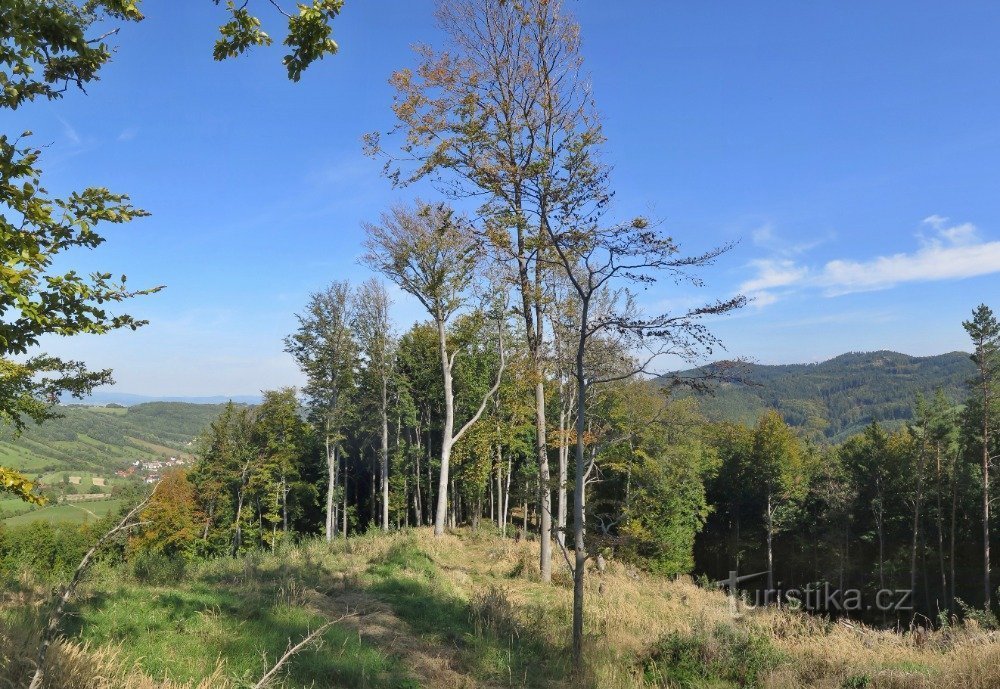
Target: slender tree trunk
<point>385,456</point>
<point>430,479</point>
<point>331,484</point>
<point>940,528</point>
<point>917,506</point>
<point>579,491</point>
<point>951,539</point>
<point>563,477</point>
<point>344,518</point>
<point>284,504</point>
<point>506,497</point>
<point>881,546</point>
<point>770,544</point>
<point>545,489</point>
<point>987,591</point>
<point>446,436</point>
<point>416,483</point>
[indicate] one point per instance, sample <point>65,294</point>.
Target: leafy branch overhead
<point>46,48</point>
<point>309,37</point>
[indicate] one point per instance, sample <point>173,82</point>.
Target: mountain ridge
<point>836,398</point>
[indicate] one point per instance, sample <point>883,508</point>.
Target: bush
<point>48,551</point>
<point>156,568</point>
<point>725,654</point>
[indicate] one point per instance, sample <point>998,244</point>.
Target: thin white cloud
<point>70,133</point>
<point>952,252</point>
<point>763,235</point>
<point>128,134</point>
<point>774,273</point>
<point>766,237</point>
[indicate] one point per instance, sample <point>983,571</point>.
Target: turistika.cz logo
<point>819,598</point>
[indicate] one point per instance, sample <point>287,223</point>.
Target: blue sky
<point>851,149</point>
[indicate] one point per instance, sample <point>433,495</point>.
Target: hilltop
<point>837,398</point>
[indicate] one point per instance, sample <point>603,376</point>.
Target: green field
<point>82,512</point>
<point>95,442</point>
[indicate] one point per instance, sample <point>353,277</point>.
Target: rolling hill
<point>837,398</point>
<point>80,452</point>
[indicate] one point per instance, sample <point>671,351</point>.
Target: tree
<point>226,453</point>
<point>46,48</point>
<point>283,438</point>
<point>497,116</point>
<point>778,465</point>
<point>667,462</point>
<point>377,347</point>
<point>170,518</point>
<point>325,350</point>
<point>430,254</point>
<point>984,330</point>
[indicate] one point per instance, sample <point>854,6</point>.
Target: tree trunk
<point>284,504</point>
<point>331,483</point>
<point>917,505</point>
<point>344,519</point>
<point>563,477</point>
<point>951,540</point>
<point>385,457</point>
<point>940,527</point>
<point>987,592</point>
<point>770,545</point>
<point>545,489</point>
<point>446,436</point>
<point>579,493</point>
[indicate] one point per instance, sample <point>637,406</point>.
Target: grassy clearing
<point>466,611</point>
<point>75,513</point>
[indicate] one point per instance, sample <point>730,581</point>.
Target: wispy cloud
<point>766,237</point>
<point>128,134</point>
<point>946,252</point>
<point>69,131</point>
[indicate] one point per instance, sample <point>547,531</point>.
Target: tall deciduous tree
<point>777,463</point>
<point>984,330</point>
<point>499,115</point>
<point>601,262</point>
<point>430,254</point>
<point>325,350</point>
<point>377,344</point>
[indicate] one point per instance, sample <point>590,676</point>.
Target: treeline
<point>673,493</point>
<point>262,472</point>
<point>885,510</point>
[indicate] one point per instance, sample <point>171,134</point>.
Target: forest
<point>511,491</point>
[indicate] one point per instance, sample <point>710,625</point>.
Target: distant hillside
<point>128,399</point>
<point>104,439</point>
<point>837,398</point>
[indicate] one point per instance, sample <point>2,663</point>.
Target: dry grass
<point>629,616</point>
<point>628,612</point>
<point>74,666</point>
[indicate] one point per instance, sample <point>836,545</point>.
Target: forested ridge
<point>837,398</point>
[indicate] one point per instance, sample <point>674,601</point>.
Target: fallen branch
<point>269,676</point>
<point>55,617</point>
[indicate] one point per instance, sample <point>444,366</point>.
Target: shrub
<point>156,568</point>
<point>727,654</point>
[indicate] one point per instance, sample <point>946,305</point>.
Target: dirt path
<point>433,666</point>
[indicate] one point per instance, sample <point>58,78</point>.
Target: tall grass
<point>463,610</point>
